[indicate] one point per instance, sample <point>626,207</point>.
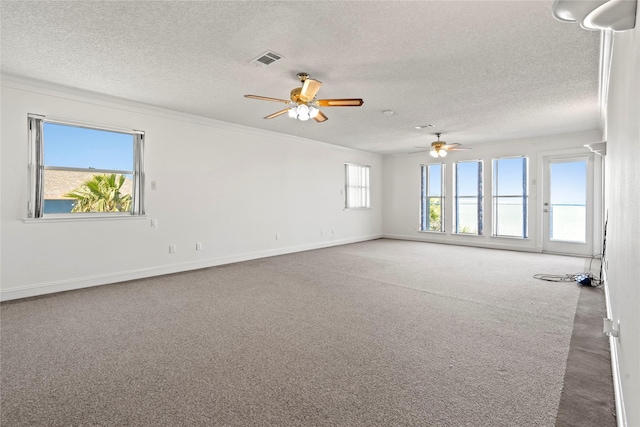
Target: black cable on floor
<point>583,279</point>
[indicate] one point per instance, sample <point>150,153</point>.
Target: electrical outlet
<point>153,185</point>
<point>277,236</point>
<point>172,249</point>
<point>154,223</point>
<point>198,246</point>
<point>611,328</point>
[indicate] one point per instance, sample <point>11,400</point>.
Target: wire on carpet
<point>583,279</point>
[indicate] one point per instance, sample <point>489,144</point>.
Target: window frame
<point>479,197</point>
<point>524,197</point>
<point>363,187</point>
<point>37,168</point>
<point>425,197</point>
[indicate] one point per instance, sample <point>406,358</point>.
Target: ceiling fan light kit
<point>437,152</point>
<point>304,112</point>
<point>303,104</point>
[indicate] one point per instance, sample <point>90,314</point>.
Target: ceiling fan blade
<point>264,98</point>
<point>458,149</point>
<point>309,89</point>
<point>279,113</point>
<point>346,102</point>
<point>320,117</point>
<point>449,146</point>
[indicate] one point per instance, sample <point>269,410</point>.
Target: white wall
<point>401,190</point>
<point>229,187</point>
<point>622,202</point>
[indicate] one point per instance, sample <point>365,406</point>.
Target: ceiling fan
<point>304,105</point>
<point>440,148</point>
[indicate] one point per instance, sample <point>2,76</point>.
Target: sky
<point>71,146</point>
<point>467,178</point>
<point>508,176</point>
<point>568,179</point>
<point>569,182</point>
<point>435,179</point>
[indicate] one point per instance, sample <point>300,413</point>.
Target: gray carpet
<point>381,333</point>
<point>587,395</point>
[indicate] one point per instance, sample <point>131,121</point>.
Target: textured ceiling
<point>478,70</point>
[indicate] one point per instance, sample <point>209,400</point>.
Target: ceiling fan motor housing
<point>295,94</point>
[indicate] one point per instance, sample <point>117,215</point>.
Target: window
<point>568,200</point>
<point>510,197</point>
<point>80,170</point>
<point>432,197</point>
<point>468,199</point>
<point>356,186</point>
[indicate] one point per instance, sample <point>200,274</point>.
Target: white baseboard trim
<point>621,415</point>
<point>90,281</point>
<point>473,241</point>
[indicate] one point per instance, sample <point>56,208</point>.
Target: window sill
<point>510,237</point>
<point>98,217</point>
<point>432,232</point>
<point>356,209</point>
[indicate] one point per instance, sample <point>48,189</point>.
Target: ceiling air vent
<point>266,58</point>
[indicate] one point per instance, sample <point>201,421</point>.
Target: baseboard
<point>474,241</point>
<point>90,281</point>
<point>621,415</point>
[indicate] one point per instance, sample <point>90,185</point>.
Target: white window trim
<point>36,169</point>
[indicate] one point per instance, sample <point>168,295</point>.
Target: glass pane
<point>468,197</point>
<point>435,180</point>
<point>107,195</point>
<point>509,218</point>
<point>568,199</point>
<point>467,178</point>
<point>435,213</point>
<point>467,215</point>
<point>70,146</point>
<point>423,198</point>
<point>509,175</point>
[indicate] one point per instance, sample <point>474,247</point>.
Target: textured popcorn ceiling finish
<point>480,71</point>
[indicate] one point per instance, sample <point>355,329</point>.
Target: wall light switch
<point>153,185</point>
<point>154,223</point>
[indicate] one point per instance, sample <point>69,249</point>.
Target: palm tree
<point>101,193</point>
<point>435,210</point>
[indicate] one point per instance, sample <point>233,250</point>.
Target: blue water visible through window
<point>52,206</point>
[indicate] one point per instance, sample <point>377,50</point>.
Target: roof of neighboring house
<point>59,183</point>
